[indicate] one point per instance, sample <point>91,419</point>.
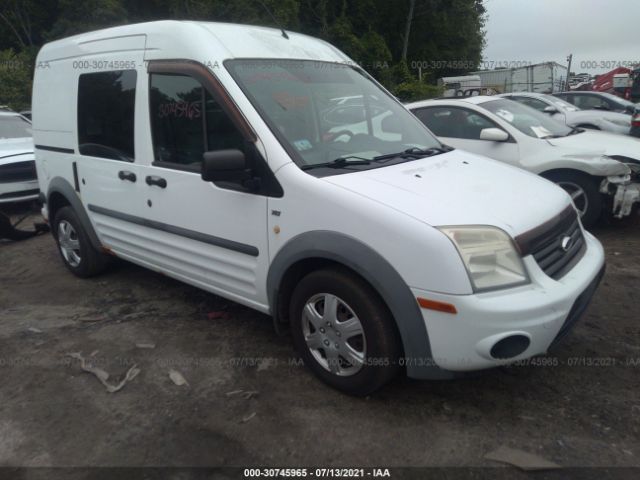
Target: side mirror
<point>550,110</point>
<point>494,135</point>
<point>631,109</point>
<point>224,166</point>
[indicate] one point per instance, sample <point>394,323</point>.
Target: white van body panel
<point>227,241</point>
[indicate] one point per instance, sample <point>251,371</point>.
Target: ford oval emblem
<point>567,243</point>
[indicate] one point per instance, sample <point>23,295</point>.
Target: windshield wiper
<point>414,153</point>
<point>574,131</point>
<point>341,162</point>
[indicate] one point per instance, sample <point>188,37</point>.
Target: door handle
<point>124,175</point>
<point>158,181</point>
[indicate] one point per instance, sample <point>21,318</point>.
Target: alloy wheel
<point>69,243</point>
<point>334,334</point>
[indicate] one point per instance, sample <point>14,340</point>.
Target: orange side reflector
<point>437,306</point>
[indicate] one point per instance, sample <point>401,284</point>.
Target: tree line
<point>405,44</point>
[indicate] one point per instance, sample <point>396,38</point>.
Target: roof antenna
<point>273,17</point>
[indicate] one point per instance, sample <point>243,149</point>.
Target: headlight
<point>489,255</point>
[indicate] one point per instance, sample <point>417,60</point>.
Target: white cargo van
<point>268,169</point>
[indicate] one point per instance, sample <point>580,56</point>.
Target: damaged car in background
<point>18,179</point>
<point>600,170</point>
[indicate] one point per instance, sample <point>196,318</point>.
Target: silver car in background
<point>572,116</point>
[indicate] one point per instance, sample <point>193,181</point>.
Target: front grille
<point>18,172</point>
<point>557,245</point>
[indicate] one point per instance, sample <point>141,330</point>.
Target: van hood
<point>601,143</point>
<point>459,188</point>
<point>13,149</point>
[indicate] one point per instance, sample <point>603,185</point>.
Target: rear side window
<point>186,121</point>
<point>106,111</point>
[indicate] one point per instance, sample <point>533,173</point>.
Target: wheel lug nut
<point>338,334</point>
<point>326,342</point>
<point>337,346</point>
<point>322,330</point>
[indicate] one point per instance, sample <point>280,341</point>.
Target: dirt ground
<point>579,406</point>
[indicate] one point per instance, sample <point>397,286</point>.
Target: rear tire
<point>76,250</point>
<point>344,332</point>
<point>584,192</point>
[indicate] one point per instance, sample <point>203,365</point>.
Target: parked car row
<point>572,116</point>
<point>591,166</point>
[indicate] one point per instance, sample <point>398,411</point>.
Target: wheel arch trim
<point>61,186</point>
<point>378,272</point>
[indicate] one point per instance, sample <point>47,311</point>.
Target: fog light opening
<point>510,347</point>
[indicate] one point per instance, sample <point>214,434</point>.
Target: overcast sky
<point>541,30</point>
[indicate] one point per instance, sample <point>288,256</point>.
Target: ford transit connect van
<point>270,170</point>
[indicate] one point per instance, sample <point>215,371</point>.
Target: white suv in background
<point>18,179</point>
<point>381,249</point>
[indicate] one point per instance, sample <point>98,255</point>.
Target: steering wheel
<point>341,133</point>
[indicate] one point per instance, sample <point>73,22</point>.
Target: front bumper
<point>19,191</point>
<point>541,312</point>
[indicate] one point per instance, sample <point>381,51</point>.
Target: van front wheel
<point>76,250</point>
<point>344,332</point>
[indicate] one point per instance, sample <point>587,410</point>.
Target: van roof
<point>181,39</point>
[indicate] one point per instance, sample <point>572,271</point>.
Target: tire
<point>373,354</point>
<point>584,192</point>
<point>76,250</point>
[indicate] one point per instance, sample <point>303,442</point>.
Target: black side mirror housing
<point>224,166</point>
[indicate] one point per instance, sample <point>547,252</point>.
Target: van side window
<point>106,111</point>
<point>186,122</point>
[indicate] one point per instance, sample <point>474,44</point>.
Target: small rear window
<point>106,111</point>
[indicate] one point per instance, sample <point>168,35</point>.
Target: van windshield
<point>14,126</point>
<point>322,112</point>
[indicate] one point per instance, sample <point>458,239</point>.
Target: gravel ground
<point>578,406</point>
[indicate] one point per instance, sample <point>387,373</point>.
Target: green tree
<point>16,74</point>
<point>391,39</point>
<point>77,17</point>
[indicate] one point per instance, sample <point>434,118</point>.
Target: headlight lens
<point>489,255</point>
